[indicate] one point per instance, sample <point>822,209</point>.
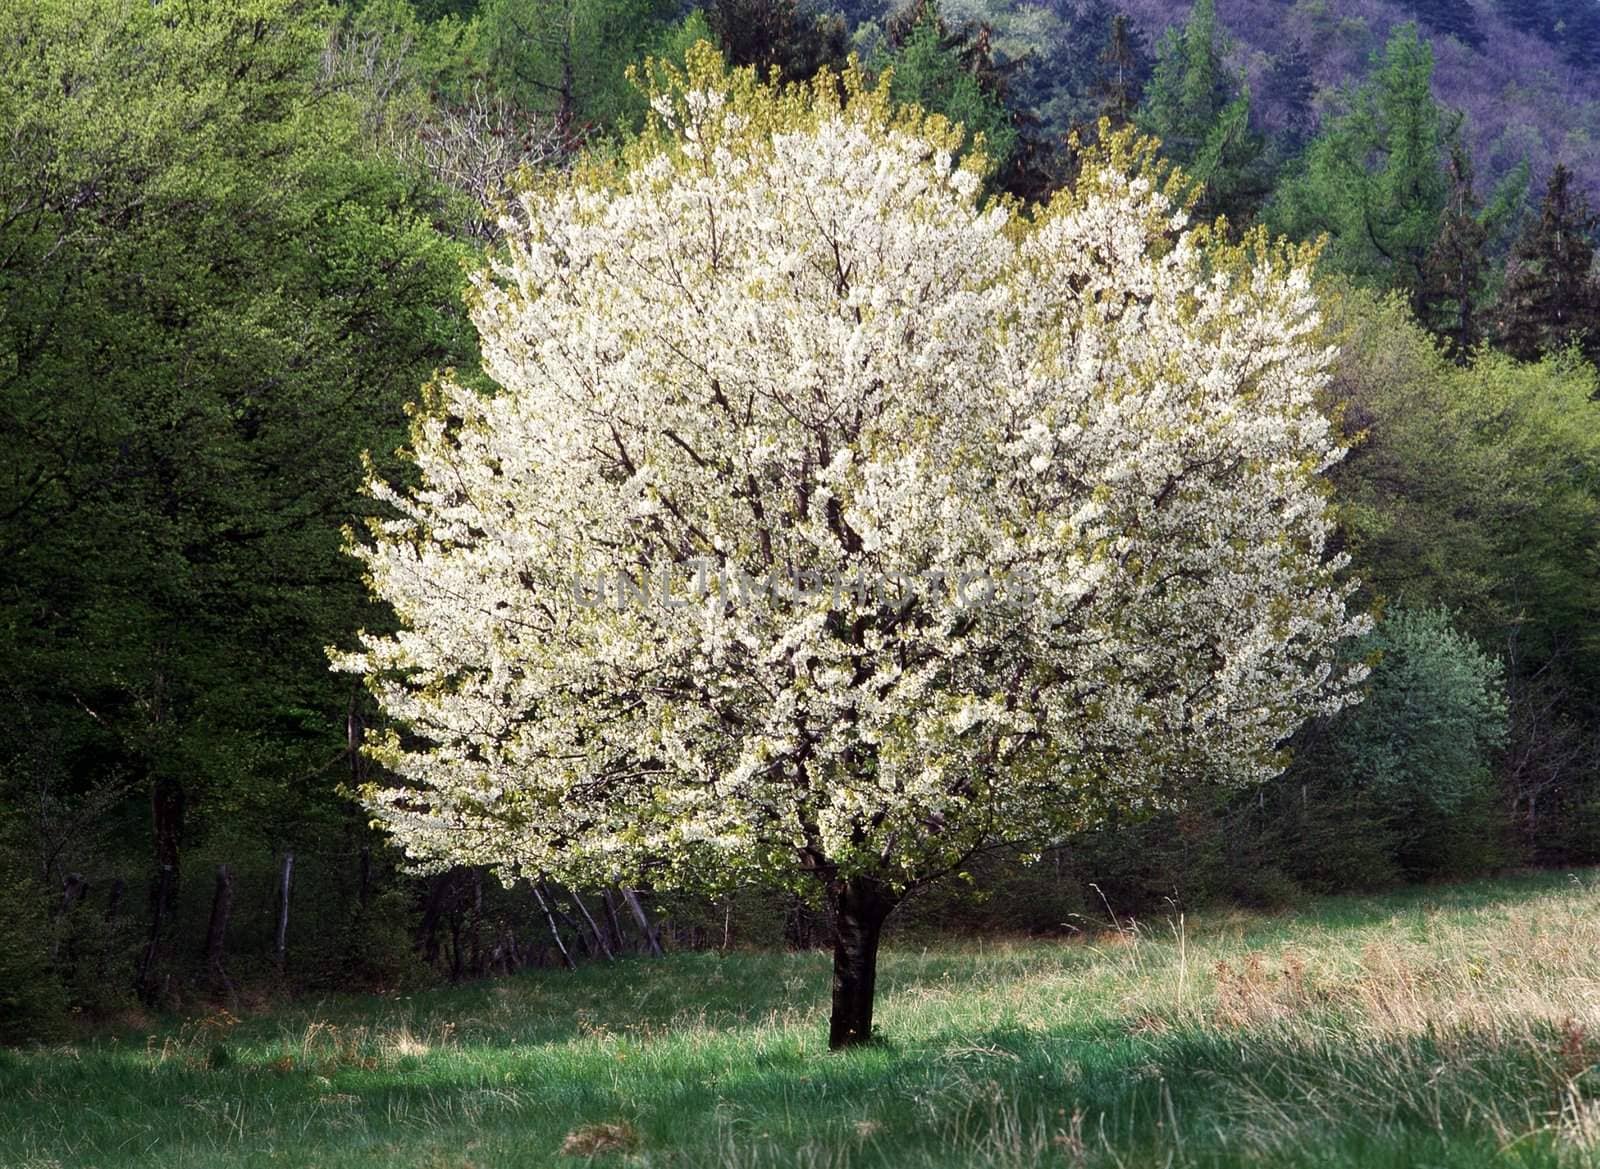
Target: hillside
<point>1525,75</point>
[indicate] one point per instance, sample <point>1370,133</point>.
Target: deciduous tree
<point>215,294</point>
<point>902,525</point>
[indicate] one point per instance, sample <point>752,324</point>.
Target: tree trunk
<point>217,932</point>
<point>475,965</point>
<point>861,905</point>
<point>555,930</point>
<point>613,922</point>
<point>563,917</point>
<point>433,908</point>
<point>73,890</point>
<point>604,946</point>
<point>643,920</point>
<point>166,820</point>
<point>149,965</point>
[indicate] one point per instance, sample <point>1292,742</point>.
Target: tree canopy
<point>830,522</point>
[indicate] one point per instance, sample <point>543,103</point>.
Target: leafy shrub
<point>1423,742</point>
<point>33,1003</point>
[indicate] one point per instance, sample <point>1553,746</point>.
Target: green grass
<point>1441,1027</point>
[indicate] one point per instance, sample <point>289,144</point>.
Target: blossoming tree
<point>830,523</point>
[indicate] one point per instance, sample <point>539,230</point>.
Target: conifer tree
<point>1200,110</point>
<point>1550,298</point>
<point>1453,272</point>
<point>953,72</point>
<point>1288,89</point>
<point>778,34</point>
<point>1118,85</point>
<point>1190,87</point>
<point>1374,178</point>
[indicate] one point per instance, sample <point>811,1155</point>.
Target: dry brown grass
<point>1450,1027</point>
<point>593,1140</point>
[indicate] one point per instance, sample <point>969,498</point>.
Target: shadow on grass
<point>1038,1054</point>
<point>1110,1089</point>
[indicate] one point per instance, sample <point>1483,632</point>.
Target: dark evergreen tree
<point>1550,299</point>
<point>954,71</point>
<point>1191,87</point>
<point>1078,61</point>
<point>1200,109</point>
<point>1453,18</point>
<point>779,34</point>
<point>1287,92</point>
<point>968,44</point>
<point>1374,177</point>
<point>1123,67</point>
<point>1452,274</point>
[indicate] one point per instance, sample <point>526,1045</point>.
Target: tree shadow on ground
<point>1100,1089</point>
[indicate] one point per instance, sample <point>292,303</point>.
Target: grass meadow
<point>1451,1026</point>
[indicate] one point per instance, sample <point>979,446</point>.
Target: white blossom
<point>816,350</point>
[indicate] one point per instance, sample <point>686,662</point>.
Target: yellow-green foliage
<point>1476,487</point>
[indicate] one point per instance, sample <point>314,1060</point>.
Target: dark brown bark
<point>355,730</point>
<point>149,965</point>
<point>439,888</point>
<point>217,931</point>
<point>114,899</point>
<point>217,926</point>
<point>73,890</point>
<point>166,822</point>
<point>455,947</point>
<point>861,906</point>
